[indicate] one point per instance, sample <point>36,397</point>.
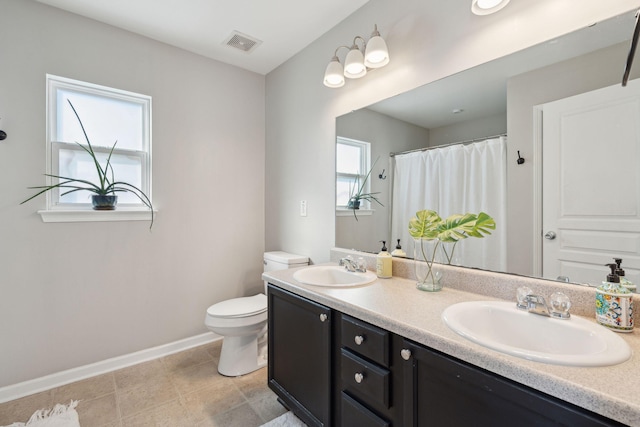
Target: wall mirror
<point>497,98</point>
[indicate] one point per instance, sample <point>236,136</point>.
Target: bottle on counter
<point>384,262</point>
<point>621,274</point>
<point>398,251</point>
<point>614,303</point>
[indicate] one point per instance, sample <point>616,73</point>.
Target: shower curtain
<point>455,180</point>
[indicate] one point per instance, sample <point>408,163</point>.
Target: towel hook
<point>3,134</point>
<point>382,175</point>
<point>520,159</point>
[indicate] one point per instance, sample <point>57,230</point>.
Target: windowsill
<point>346,212</point>
<point>89,215</point>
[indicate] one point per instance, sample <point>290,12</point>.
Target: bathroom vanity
<point>380,355</point>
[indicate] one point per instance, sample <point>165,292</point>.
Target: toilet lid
<point>239,307</point>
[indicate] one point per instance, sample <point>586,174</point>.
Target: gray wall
<point>428,40</point>
<point>470,129</point>
<point>77,293</point>
<point>386,135</point>
<point>596,70</point>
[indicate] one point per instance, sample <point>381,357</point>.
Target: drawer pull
<point>359,376</point>
<point>323,317</point>
<point>405,353</point>
<point>359,339</point>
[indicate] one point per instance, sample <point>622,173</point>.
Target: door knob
<point>550,235</point>
<point>405,353</point>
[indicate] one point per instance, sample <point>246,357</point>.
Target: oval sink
<point>500,326</point>
<point>332,275</point>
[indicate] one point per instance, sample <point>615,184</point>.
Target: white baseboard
<point>57,379</point>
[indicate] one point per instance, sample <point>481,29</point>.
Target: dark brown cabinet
<point>332,369</point>
<point>300,355</point>
<point>440,390</point>
<point>366,382</point>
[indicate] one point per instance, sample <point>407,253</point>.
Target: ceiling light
<point>333,75</point>
<point>376,54</point>
<point>372,54</point>
<point>487,7</point>
<point>354,67</point>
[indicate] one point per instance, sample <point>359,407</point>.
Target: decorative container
<point>104,202</point>
<point>427,258</point>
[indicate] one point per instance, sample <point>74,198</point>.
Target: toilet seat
<point>239,307</point>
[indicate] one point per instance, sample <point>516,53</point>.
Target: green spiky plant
<point>358,194</point>
<point>106,185</point>
<point>427,225</point>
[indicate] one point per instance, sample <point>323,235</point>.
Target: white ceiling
<point>203,26</point>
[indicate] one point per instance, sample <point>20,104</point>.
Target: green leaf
<point>428,225</point>
<point>424,225</point>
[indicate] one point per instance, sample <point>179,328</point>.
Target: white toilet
<point>243,322</point>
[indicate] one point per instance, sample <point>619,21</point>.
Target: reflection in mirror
<point>498,97</point>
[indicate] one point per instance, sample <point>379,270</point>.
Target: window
<point>352,164</point>
<point>109,116</point>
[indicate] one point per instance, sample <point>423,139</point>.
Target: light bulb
<point>333,75</point>
<point>354,64</point>
<point>486,7</point>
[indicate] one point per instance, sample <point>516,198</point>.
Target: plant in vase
<point>358,194</point>
<point>430,233</point>
<point>104,190</point>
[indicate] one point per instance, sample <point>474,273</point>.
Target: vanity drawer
<point>365,339</point>
<point>364,379</point>
<point>355,414</point>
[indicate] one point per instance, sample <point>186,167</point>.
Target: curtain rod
<point>469,141</point>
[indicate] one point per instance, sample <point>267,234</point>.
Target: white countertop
<point>397,306</point>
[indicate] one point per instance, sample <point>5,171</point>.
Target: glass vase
<point>427,258</point>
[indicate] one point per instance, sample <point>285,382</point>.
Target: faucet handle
<point>521,296</point>
<point>361,265</point>
<point>560,305</point>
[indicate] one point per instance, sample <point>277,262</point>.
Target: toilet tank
<point>279,260</point>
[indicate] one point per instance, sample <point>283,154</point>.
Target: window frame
<point>365,164</point>
<point>56,211</point>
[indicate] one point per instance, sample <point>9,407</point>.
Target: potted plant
<point>358,194</point>
<point>105,190</point>
<point>431,233</point>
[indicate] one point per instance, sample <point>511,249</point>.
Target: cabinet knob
<point>405,353</point>
<point>359,376</point>
<point>323,317</point>
<point>359,339</point>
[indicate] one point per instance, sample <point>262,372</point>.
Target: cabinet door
<point>440,390</point>
<point>299,355</point>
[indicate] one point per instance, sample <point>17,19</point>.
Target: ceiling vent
<point>242,42</point>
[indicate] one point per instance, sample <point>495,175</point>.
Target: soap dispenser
<point>383,262</point>
<point>614,303</point>
<point>621,274</point>
<point>398,251</point>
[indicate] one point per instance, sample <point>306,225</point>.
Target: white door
<point>591,184</point>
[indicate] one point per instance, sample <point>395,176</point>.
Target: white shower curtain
<point>455,180</point>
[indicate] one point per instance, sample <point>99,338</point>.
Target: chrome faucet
<point>536,304</point>
<point>353,266</point>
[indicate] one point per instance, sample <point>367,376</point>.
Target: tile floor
<point>180,390</point>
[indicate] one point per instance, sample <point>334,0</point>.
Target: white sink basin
<point>499,325</point>
<point>332,275</point>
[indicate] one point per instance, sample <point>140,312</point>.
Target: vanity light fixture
<point>487,7</point>
<point>359,59</point>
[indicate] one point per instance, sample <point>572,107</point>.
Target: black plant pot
<point>104,203</point>
<point>354,204</point>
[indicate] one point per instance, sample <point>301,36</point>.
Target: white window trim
<point>365,165</point>
<point>76,212</point>
<point>349,212</point>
